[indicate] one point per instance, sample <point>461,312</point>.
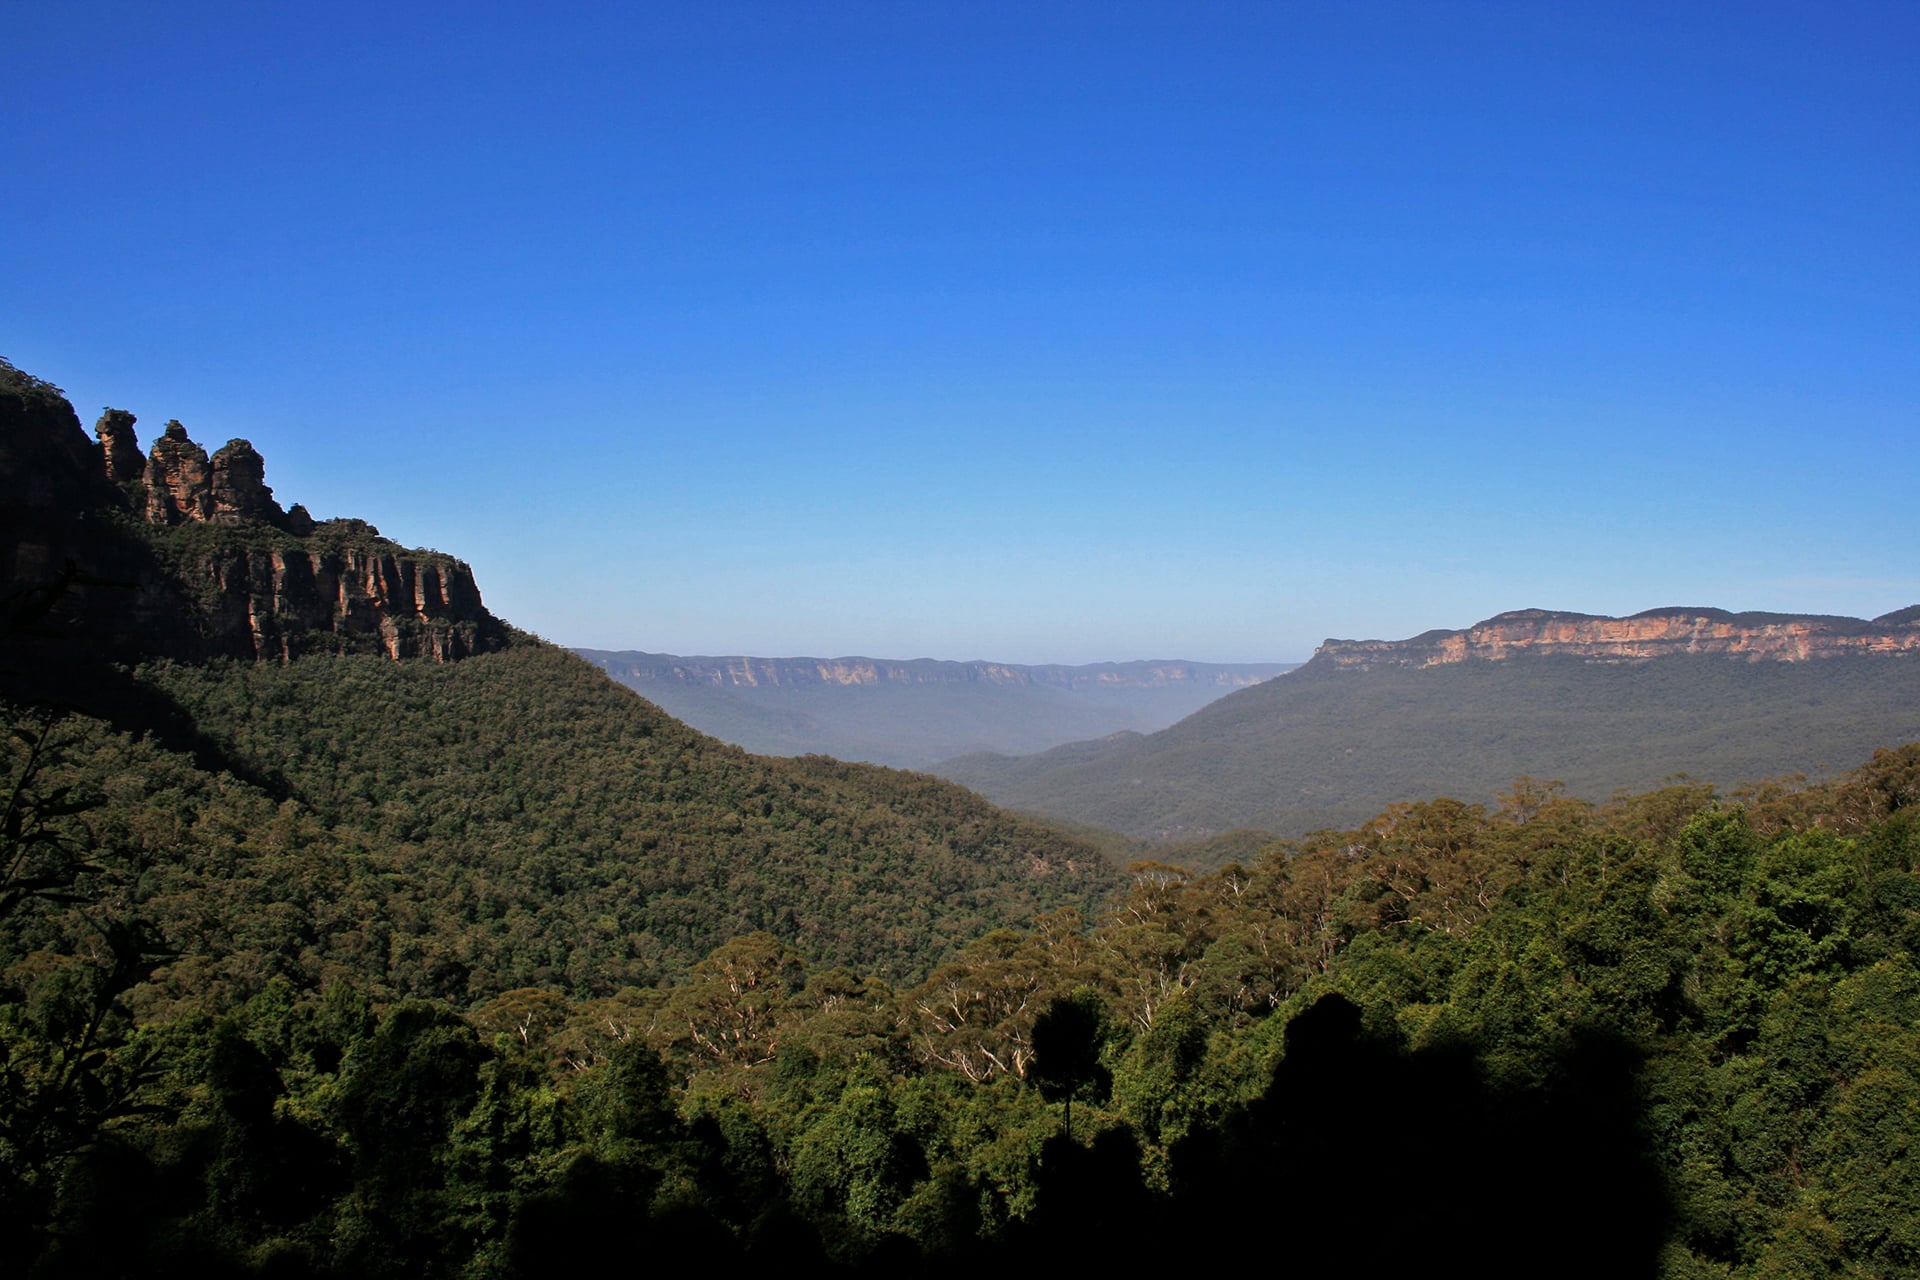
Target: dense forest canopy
<point>1690,1016</point>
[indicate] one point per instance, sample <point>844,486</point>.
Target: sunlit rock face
<point>1657,633</point>
<point>254,582</point>
<point>289,601</point>
<point>179,479</point>
<point>238,487</point>
<point>341,587</point>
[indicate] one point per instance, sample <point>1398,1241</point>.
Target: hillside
<point>911,713</point>
<point>304,718</point>
<point>1366,723</point>
<point>516,819</point>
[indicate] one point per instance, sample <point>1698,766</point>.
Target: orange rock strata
<point>1658,633</point>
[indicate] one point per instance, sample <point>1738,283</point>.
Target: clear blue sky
<point>1039,332</point>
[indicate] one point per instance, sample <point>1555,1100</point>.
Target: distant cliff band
<point>1657,633</point>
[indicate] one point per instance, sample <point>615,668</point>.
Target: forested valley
<point>349,962</point>
<point>1677,1029</point>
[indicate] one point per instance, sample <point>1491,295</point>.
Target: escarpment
<point>1656,633</point>
<point>181,554</point>
<point>286,600</point>
<point>646,670</point>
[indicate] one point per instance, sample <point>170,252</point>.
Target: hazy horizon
<point>1068,334</point>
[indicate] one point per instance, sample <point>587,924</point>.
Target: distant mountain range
<point>1595,702</point>
<point>911,713</point>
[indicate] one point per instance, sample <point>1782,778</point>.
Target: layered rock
<point>119,449</point>
<point>179,479</point>
<point>1754,637</point>
<point>237,488</point>
<point>280,586</point>
<point>293,600</point>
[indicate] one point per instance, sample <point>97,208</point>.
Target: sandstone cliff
<point>1754,637</point>
<point>179,479</point>
<point>281,601</point>
<point>119,447</point>
<point>188,556</point>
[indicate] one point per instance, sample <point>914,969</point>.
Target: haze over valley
<point>1597,705</point>
<point>1188,751</point>
<point>912,713</point>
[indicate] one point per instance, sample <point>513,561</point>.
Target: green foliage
<point>379,1010</point>
<point>515,820</point>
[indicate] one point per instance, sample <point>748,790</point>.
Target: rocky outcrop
<point>119,449</point>
<point>238,489</point>
<point>179,479</point>
<point>51,493</point>
<point>184,486</point>
<point>48,467</point>
<point>257,582</point>
<point>1657,633</point>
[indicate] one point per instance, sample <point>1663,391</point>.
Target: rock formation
<point>119,447</point>
<point>48,467</point>
<point>286,585</point>
<point>179,479</point>
<point>293,600</point>
<point>298,522</point>
<point>1755,637</point>
<point>238,487</point>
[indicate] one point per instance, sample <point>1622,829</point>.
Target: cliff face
<point>179,479</point>
<point>1657,633</point>
<point>288,600</point>
<point>189,556</point>
<point>642,669</point>
<point>119,448</point>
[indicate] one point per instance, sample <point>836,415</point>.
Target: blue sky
<point>1066,332</point>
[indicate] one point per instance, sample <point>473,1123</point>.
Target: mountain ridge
<point>739,670</point>
<point>1639,637</point>
<point>1602,704</point>
<point>910,713</point>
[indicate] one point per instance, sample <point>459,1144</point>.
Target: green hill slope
<point>1326,747</point>
<point>517,819</point>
